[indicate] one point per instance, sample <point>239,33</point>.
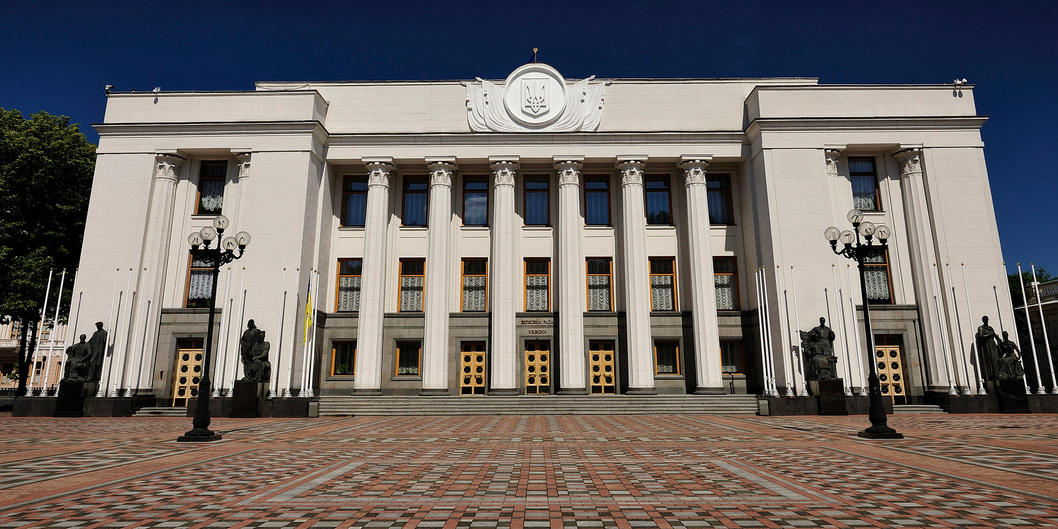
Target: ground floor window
<point>409,358</point>
<point>667,357</point>
<point>343,357</point>
<point>731,357</point>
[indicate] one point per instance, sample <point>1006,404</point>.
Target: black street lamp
<point>223,254</point>
<point>860,253</point>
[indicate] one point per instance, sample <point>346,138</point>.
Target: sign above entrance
<point>535,98</point>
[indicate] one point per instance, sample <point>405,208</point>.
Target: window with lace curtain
<point>537,285</point>
<point>666,357</point>
<point>725,279</point>
<point>731,357</point>
<point>662,283</point>
<point>475,285</point>
<point>409,358</point>
<point>876,277</point>
<point>211,188</point>
<point>412,283</point>
<point>199,283</point>
<point>600,283</point>
<point>349,285</point>
<point>864,184</point>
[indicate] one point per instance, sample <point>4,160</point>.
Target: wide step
<point>540,405</point>
<point>916,408</point>
<point>158,411</point>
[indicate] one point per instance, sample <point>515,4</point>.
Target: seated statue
<point>254,354</point>
<point>1009,364</point>
<point>79,361</point>
<point>817,346</point>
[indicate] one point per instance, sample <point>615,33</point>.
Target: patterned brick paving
<point>526,472</point>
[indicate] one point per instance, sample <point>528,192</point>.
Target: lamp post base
<point>880,433</point>
<point>199,436</point>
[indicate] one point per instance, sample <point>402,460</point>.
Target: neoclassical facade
<point>537,235</point>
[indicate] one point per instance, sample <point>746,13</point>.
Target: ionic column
<point>637,276</point>
<point>373,280</point>
<point>923,257</point>
<point>571,301</point>
<point>703,289</point>
<point>503,277</point>
<point>435,339</point>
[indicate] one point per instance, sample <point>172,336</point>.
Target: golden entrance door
<point>537,368</point>
<point>188,369</point>
<point>601,366</point>
<point>472,368</point>
<point>889,356</point>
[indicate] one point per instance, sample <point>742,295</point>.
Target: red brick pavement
<point>526,472</point>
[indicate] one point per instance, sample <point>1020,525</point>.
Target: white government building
<point>541,235</point>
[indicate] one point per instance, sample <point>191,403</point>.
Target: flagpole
<point>33,378</point>
<point>975,354</point>
<point>242,314</point>
<point>279,346</point>
<point>1043,325</point>
<point>54,334</point>
<point>1032,338</point>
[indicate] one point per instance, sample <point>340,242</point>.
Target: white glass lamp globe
<point>855,216</point>
<point>242,238</point>
<point>832,234</point>
<point>867,228</point>
<point>882,232</point>
<point>194,239</point>
<point>228,243</point>
<point>220,222</point>
<point>208,233</point>
<point>847,237</point>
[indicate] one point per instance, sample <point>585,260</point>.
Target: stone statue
<point>254,353</point>
<point>97,346</point>
<point>988,350</point>
<point>79,362</point>
<point>1009,365</point>
<point>817,346</point>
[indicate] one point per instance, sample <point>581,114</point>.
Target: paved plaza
<point>510,471</point>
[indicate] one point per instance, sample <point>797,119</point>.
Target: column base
<point>641,391</point>
<point>504,392</point>
<point>366,392</point>
<point>574,391</point>
<point>433,392</point>
<point>711,391</point>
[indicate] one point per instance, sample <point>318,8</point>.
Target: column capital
<point>631,170</point>
<point>242,159</point>
<point>694,167</point>
<point>167,165</point>
<point>568,169</point>
<point>832,156</point>
<point>441,170</point>
<point>910,161</point>
<point>378,170</point>
<point>503,170</point>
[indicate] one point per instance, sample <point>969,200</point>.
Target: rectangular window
<point>537,285</point>
<point>354,200</point>
<point>876,276</point>
<point>475,284</point>
<point>475,201</point>
<point>725,277</point>
<point>731,357</point>
<point>659,201</point>
<point>211,188</point>
<point>412,283</point>
<point>662,283</point>
<point>599,284</point>
<point>349,285</point>
<point>537,201</point>
<point>199,283</point>
<point>15,330</point>
<point>719,199</point>
<point>408,359</point>
<point>597,200</point>
<point>415,190</point>
<point>864,184</point>
<point>667,357</point>
<point>343,357</point>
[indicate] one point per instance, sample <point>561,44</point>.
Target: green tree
<point>46,167</point>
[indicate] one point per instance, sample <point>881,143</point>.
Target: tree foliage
<point>46,167</point>
<point>1026,275</point>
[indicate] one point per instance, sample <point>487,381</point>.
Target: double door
<point>187,370</point>
<point>889,358</point>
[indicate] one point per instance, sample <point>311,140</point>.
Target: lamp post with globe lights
<point>215,257</point>
<point>860,252</point>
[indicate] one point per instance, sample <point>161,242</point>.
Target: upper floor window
<point>597,200</point>
<point>475,284</point>
<point>537,285</point>
<point>537,212</point>
<point>662,283</point>
<point>659,200</point>
<point>600,284</point>
<point>349,284</point>
<point>725,278</point>
<point>720,199</point>
<point>475,201</point>
<point>199,283</point>
<point>412,283</point>
<point>415,201</point>
<point>864,184</point>
<point>211,188</point>
<point>354,200</point>
<point>876,276</point>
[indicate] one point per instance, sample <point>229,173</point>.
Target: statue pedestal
<point>1011,396</point>
<point>72,395</point>
<point>831,395</point>
<point>246,398</point>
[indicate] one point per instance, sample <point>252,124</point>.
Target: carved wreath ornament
<point>534,98</point>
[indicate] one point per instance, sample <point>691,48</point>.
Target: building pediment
<point>535,98</point>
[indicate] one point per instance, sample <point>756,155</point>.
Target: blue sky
<point>58,57</point>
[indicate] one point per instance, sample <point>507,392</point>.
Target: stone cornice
<point>758,126</point>
<point>213,128</point>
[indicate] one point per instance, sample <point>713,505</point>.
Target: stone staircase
<point>158,411</point>
<point>540,405</point>
<point>903,409</point>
